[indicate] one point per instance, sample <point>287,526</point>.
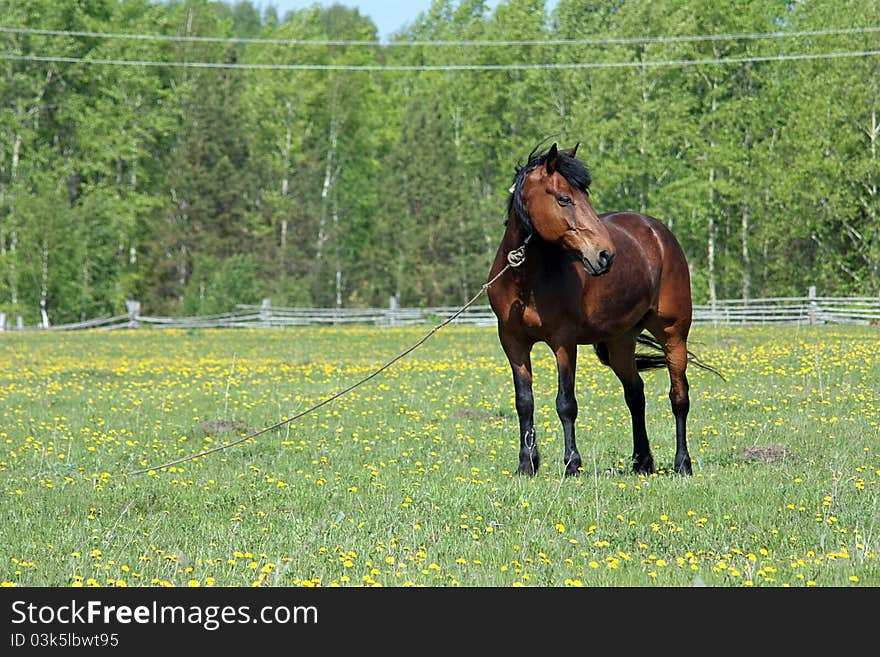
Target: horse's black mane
<point>572,169</point>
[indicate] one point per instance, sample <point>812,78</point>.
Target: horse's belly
<point>606,316</point>
<point>593,330</point>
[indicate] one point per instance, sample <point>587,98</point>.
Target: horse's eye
<point>564,200</point>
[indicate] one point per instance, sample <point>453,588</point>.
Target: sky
<point>388,15</point>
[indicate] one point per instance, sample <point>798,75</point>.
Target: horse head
<point>551,197</point>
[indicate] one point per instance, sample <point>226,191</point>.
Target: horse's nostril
<point>605,258</point>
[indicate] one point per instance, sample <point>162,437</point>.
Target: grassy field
<point>409,479</point>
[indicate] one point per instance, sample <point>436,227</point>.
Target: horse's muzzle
<point>602,264</point>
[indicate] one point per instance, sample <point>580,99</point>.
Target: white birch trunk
<point>872,188</point>
<point>325,191</point>
<point>44,283</point>
<point>285,173</point>
<point>744,234</point>
<point>746,257</point>
<point>338,259</point>
<point>13,235</point>
<point>710,242</point>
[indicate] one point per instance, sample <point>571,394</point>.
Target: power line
<point>446,67</point>
<point>465,43</point>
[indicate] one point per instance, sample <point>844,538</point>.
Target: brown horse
<point>589,279</point>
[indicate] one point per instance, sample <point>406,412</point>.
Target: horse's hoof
<point>683,466</point>
<point>643,465</point>
<point>528,463</point>
<point>573,465</point>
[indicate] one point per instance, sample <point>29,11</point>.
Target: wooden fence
<point>791,310</point>
<point>811,309</point>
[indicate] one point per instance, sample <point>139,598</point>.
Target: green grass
<point>408,480</point>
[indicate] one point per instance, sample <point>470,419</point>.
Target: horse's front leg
<point>566,403</point>
<point>521,365</point>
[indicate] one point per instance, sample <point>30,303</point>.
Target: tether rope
<point>515,258</point>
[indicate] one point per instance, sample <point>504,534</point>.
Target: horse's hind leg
<point>676,362</point>
<point>621,358</point>
<point>673,337</point>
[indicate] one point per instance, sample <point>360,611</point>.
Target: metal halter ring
<point>516,257</point>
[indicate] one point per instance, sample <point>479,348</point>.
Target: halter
<point>516,257</point>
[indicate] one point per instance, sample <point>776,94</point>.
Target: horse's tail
<point>652,361</point>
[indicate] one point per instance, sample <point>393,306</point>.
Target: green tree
<point>830,143</point>
<point>197,183</point>
<point>208,180</point>
<point>315,144</point>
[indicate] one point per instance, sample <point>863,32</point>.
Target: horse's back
<point>651,234</point>
<point>641,226</point>
<point>658,244</point>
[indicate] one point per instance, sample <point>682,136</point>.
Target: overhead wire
<point>646,63</point>
<point>455,43</point>
<point>444,67</point>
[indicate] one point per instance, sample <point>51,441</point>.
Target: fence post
<point>392,310</point>
<point>2,321</point>
<point>813,306</point>
<point>266,312</point>
<point>134,311</point>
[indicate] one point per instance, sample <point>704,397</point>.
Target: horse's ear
<point>571,152</point>
<point>550,162</point>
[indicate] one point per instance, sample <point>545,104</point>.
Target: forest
<point>195,155</point>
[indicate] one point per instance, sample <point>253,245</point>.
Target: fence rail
<point>791,310</point>
<point>811,309</point>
